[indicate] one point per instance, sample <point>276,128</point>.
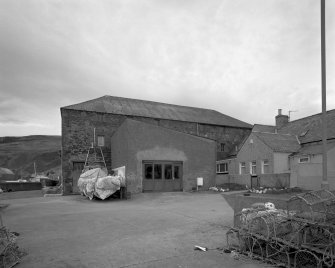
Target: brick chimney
<point>281,120</point>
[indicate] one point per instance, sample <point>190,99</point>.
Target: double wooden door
<point>162,176</point>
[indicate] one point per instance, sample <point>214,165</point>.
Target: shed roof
<point>133,107</point>
<point>283,143</point>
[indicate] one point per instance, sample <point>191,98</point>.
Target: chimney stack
<point>281,120</point>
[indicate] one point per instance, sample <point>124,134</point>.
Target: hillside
<point>20,153</point>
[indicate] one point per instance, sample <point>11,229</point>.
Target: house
<point>154,141</point>
<point>288,154</point>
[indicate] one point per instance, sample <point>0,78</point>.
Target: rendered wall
<point>149,142</point>
<point>309,175</point>
<point>255,151</point>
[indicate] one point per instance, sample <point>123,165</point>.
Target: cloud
<point>232,56</point>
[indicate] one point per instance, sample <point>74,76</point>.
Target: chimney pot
<point>279,111</point>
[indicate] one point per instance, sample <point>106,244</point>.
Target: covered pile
<point>96,182</point>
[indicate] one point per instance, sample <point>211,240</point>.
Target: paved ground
<point>150,230</point>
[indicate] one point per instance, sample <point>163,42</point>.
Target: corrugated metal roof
<point>125,106</point>
<point>309,129</point>
<point>279,142</point>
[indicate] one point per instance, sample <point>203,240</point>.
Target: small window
<point>176,172</point>
<point>253,167</point>
<point>265,166</point>
<point>222,145</point>
<point>148,171</point>
<point>222,168</point>
<point>304,159</point>
<point>158,171</point>
<point>101,140</point>
<point>242,168</point>
<point>168,172</point>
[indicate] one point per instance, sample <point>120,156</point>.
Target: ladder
<point>94,158</point>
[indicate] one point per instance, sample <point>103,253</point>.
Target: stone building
<point>168,137</point>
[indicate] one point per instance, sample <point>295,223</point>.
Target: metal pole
<point>324,184</point>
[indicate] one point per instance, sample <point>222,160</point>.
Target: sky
<point>242,58</point>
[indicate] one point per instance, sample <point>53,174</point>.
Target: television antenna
<point>289,114</point>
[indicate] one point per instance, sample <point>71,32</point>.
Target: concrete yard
<point>149,230</point>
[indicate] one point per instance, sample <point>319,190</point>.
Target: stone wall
<point>78,128</point>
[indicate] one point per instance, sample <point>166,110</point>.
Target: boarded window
<point>101,140</point>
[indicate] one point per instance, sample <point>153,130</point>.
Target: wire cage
<point>266,223</point>
<point>313,206</point>
<point>307,259</point>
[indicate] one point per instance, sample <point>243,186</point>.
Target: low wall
<point>20,186</point>
<point>244,179</point>
<point>280,180</point>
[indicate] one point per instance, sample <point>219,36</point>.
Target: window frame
<point>304,157</point>
<point>251,167</point>
<point>242,165</point>
<point>224,171</point>
<point>263,166</point>
<point>222,147</point>
<point>99,140</point>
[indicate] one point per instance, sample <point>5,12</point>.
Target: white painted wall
<point>280,163</point>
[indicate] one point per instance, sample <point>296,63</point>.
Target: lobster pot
<point>233,239</point>
<point>330,211</point>
<point>243,218</point>
<point>278,253</point>
<point>306,259</point>
<point>311,206</point>
<point>319,237</point>
<point>291,230</point>
<point>255,247</point>
<point>266,225</point>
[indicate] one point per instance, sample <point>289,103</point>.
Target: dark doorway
<point>162,176</point>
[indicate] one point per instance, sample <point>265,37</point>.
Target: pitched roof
<point>309,129</point>
<point>313,149</point>
<point>125,106</point>
<point>263,128</point>
<point>283,143</point>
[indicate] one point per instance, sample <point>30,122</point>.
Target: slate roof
<point>263,128</point>
<point>309,129</point>
<point>133,107</point>
<point>282,143</point>
<point>312,149</point>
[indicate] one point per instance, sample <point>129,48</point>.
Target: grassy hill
<point>20,153</point>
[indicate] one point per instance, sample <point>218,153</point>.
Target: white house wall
<point>309,175</point>
<point>280,163</point>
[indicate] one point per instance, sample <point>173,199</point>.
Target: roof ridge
<point>309,116</point>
